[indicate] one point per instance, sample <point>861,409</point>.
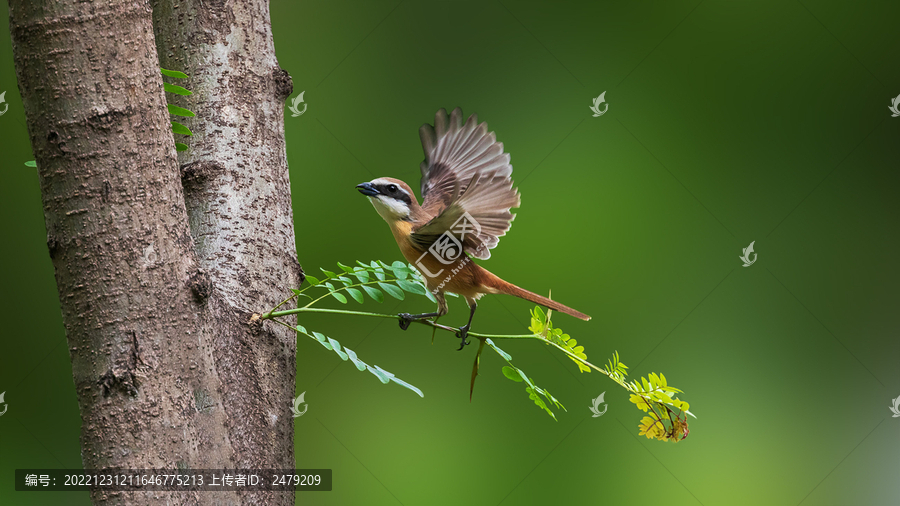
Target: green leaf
<point>180,146</point>
<point>178,128</point>
<point>539,314</point>
<point>322,339</point>
<point>399,269</point>
<point>401,382</point>
<point>512,373</point>
<point>392,290</point>
<point>328,273</point>
<point>526,379</point>
<point>180,111</point>
<point>173,73</point>
<point>345,268</point>
<point>538,401</point>
<point>340,297</point>
<point>506,356</point>
<point>379,373</point>
<point>407,385</point>
<point>178,90</point>
<point>31,163</point>
<point>356,362</point>
<point>411,287</point>
<point>356,294</point>
<point>554,400</point>
<point>385,377</point>
<point>373,292</point>
<point>336,346</point>
<point>312,280</point>
<point>362,275</point>
<point>345,280</point>
<point>348,354</point>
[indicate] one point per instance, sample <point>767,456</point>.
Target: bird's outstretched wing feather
<point>465,171</point>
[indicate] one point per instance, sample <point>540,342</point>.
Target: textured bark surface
<point>236,174</point>
<point>168,371</point>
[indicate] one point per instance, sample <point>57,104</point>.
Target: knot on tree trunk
<point>284,85</point>
<point>196,173</point>
<point>122,375</point>
<point>201,285</point>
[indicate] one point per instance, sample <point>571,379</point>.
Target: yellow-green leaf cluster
<point>653,395</point>
<point>653,429</point>
<point>616,370</point>
<point>542,326</point>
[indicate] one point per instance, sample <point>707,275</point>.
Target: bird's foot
<point>405,320</point>
<point>461,334</point>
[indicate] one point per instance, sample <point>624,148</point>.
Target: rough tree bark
<point>156,280</point>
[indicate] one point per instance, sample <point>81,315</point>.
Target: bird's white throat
<point>389,208</point>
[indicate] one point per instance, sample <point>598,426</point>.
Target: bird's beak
<point>367,189</point>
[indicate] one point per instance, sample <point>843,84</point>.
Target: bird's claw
<point>405,320</point>
<point>461,334</point>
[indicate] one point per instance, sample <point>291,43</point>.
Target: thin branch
<point>275,314</point>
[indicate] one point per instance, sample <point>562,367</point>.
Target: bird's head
<point>393,199</point>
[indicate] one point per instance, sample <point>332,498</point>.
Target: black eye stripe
<point>398,192</point>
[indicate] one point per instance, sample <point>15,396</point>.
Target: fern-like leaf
<point>534,392</point>
<point>348,354</point>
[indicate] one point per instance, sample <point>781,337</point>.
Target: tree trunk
<point>157,281</point>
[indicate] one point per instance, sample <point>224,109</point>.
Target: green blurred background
<point>728,122</point>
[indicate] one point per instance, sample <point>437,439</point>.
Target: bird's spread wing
<point>466,184</point>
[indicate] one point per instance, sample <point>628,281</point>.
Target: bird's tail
<point>511,289</point>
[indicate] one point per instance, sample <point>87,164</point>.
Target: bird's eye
<point>392,188</point>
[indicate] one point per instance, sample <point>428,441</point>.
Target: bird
<point>467,194</point>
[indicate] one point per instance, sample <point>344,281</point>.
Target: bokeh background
<point>728,122</point>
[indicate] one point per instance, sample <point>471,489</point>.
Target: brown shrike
<point>467,193</point>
